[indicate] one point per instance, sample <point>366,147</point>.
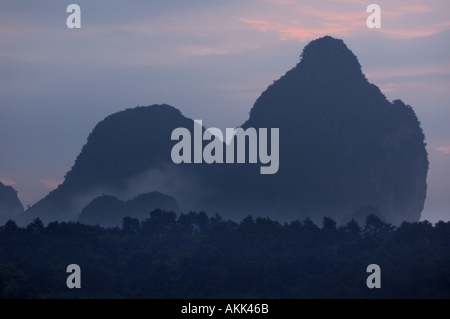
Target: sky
<point>209,59</point>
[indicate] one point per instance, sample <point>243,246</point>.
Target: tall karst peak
<point>341,140</point>
<point>331,55</point>
<point>327,82</point>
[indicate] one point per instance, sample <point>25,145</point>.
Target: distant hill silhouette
<point>10,204</point>
<point>109,211</point>
<point>343,146</point>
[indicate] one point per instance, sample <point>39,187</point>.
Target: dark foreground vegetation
<point>196,256</point>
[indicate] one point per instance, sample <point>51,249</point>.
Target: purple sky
<point>210,59</point>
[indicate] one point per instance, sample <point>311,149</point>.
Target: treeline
<point>196,256</point>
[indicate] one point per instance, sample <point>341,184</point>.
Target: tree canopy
<point>194,255</point>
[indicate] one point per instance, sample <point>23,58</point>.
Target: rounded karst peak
<point>332,54</point>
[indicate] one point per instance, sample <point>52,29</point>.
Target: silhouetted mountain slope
<point>342,144</point>
<point>125,144</point>
<point>109,211</point>
<point>128,153</point>
<point>9,202</point>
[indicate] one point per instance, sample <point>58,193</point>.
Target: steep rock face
<point>401,171</point>
<point>10,204</point>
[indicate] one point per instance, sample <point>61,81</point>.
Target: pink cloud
<point>390,87</point>
<point>445,149</point>
<point>324,23</point>
<point>262,25</point>
<point>338,16</point>
<point>255,21</point>
<point>297,21</point>
<point>413,33</point>
<point>309,34</point>
<point>350,1</point>
<point>7,182</point>
<point>50,184</point>
<point>417,9</point>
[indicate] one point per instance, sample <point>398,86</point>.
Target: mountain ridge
<point>343,146</point>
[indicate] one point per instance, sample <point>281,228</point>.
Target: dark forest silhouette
<point>199,256</point>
